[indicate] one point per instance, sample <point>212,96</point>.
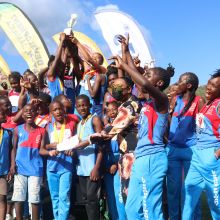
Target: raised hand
<point>62,36</point>
<point>25,83</point>
<point>118,61</point>
<point>137,61</point>
<point>124,42</point>
<point>35,102</point>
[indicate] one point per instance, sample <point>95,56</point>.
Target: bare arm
<point>160,98</point>
<point>93,90</point>
<point>22,98</point>
<point>95,173</point>
<point>126,52</point>
<point>52,70</point>
<point>41,76</point>
<point>13,152</point>
<point>18,117</point>
<point>88,58</point>
<point>43,148</point>
<point>43,151</point>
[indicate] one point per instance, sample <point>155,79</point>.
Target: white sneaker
<point>8,217</point>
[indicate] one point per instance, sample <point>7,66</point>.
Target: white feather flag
<point>113,23</point>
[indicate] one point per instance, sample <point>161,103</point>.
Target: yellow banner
<point>4,68</point>
<point>24,36</point>
<point>86,41</point>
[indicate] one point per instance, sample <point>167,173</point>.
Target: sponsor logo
<point>192,108</point>
<point>215,187</point>
<point>145,192</point>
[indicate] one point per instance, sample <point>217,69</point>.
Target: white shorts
<point>24,183</point>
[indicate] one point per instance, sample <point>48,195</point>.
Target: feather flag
<point>113,23</point>
<point>24,36</point>
<point>4,68</point>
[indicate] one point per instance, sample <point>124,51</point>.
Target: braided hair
<point>165,75</point>
<point>194,81</point>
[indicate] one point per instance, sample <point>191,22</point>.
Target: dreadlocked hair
<point>194,81</point>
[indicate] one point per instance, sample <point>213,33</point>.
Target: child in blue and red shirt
<point>60,165</point>
<point>27,162</point>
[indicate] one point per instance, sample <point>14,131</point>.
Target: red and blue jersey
<point>62,162</point>
<point>9,124</point>
<point>151,129</point>
<point>183,127</point>
<point>5,152</point>
<point>55,86</point>
<point>208,125</point>
<point>28,160</point>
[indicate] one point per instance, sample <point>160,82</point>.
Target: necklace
<point>59,135</point>
<point>82,127</point>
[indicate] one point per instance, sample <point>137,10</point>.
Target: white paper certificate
<point>68,144</point>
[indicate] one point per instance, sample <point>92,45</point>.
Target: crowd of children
<point>143,148</point>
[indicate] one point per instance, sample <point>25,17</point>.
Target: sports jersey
<point>61,162</point>
<point>28,160</point>
<point>152,126</point>
<point>183,128</point>
<point>208,125</point>
<point>87,156</point>
<point>5,145</point>
<point>55,86</point>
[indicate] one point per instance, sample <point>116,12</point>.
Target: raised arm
<point>88,59</point>
<point>93,90</point>
<point>51,74</point>
<point>41,76</point>
<point>145,85</point>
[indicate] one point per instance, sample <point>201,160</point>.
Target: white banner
<point>113,23</point>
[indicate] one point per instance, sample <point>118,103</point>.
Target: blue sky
<point>183,33</point>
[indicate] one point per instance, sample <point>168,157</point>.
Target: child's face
<point>29,114</point>
<point>97,58</point>
<point>182,84</point>
<point>15,84</point>
<point>57,111</point>
<point>33,81</point>
<point>111,79</point>
<point>2,117</point>
<point>6,106</point>
<point>152,76</point>
<point>212,89</point>
<point>112,111</point>
<point>83,107</point>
